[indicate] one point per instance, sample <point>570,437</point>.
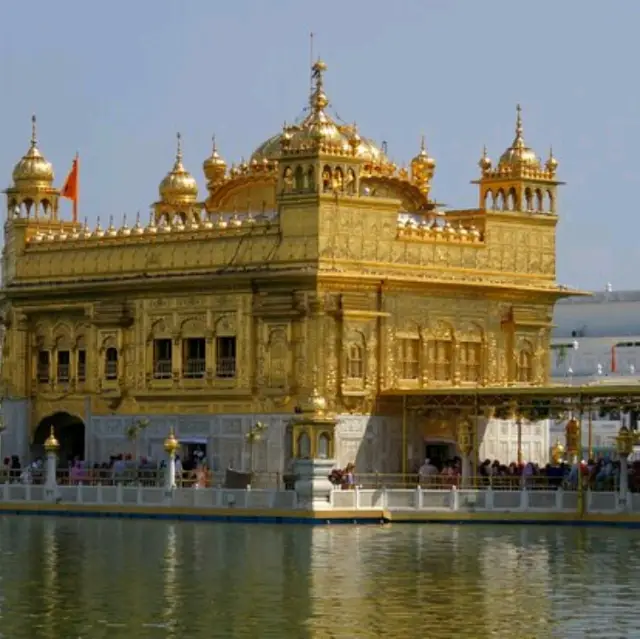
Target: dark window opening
<point>64,361</point>
<point>194,359</point>
<point>226,357</point>
<point>162,352</point>
<point>82,365</point>
<point>111,363</point>
<point>44,359</point>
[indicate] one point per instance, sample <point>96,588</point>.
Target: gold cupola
<point>179,186</point>
<point>519,181</point>
<point>33,170</point>
<point>319,131</point>
<point>214,167</point>
<point>422,169</point>
<point>518,155</point>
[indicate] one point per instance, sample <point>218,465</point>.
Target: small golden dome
<point>423,158</point>
<point>51,444</point>
<point>519,154</point>
<point>33,169</point>
<point>214,166</point>
<point>552,164</point>
<point>485,162</point>
<point>179,185</point>
<point>171,444</point>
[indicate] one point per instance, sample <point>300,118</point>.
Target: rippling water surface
<point>81,578</point>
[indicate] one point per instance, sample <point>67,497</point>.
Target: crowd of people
<point>597,474</point>
<point>120,469</point>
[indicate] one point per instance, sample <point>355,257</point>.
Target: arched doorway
<point>70,432</point>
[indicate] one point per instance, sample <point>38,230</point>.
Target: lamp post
<point>2,429</point>
<point>254,435</point>
<point>51,447</point>
<point>624,446</point>
<point>171,445</point>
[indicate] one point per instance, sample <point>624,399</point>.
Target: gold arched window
<point>525,366</point>
<point>355,362</point>
<point>469,363</point>
<point>440,359</point>
<point>410,358</point>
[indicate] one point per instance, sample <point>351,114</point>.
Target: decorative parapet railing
<point>416,500</point>
<point>484,500</point>
<point>216,223</point>
<point>436,228</point>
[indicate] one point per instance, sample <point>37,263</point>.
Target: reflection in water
<point>80,578</point>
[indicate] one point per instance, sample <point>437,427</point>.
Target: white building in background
<point>597,341</point>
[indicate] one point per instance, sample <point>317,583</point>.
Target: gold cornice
<point>355,313</point>
<point>524,218</point>
<point>551,390</point>
<point>465,272</point>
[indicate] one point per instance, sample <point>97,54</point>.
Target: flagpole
<point>75,201</point>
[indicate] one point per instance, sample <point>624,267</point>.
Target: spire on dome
<point>518,155</point>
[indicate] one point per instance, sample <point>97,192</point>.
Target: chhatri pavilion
<point>310,289</point>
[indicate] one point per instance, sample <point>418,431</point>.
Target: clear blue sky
<point>116,80</point>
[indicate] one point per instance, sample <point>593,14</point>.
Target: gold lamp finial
<point>171,444</point>
<point>51,445</point>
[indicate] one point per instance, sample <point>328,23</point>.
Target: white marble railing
<point>121,495</point>
<point>392,500</point>
<point>483,500</point>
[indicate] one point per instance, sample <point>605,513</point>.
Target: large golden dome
<point>316,127</point>
<point>179,185</point>
<point>519,154</point>
<point>33,169</point>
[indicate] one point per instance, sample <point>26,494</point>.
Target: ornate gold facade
<point>319,264</point>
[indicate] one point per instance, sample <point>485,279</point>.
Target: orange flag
<point>70,189</point>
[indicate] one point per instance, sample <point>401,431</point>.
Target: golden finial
<point>51,444</point>
<point>34,132</point>
<point>318,100</point>
<point>485,162</point>
<point>552,163</point>
<point>178,148</point>
<point>171,444</point>
<point>519,129</point>
<point>423,159</point>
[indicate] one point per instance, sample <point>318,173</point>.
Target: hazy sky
<point>116,80</point>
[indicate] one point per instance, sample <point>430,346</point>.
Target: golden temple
<point>313,279</point>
